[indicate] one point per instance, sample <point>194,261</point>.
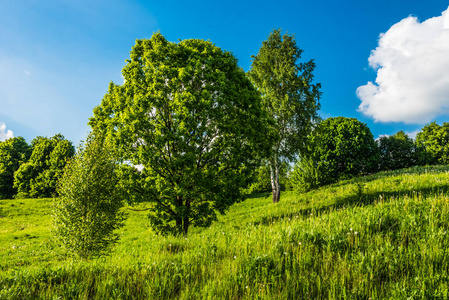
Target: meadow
<point>383,236</point>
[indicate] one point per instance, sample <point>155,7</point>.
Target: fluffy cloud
<point>5,134</point>
<point>412,64</point>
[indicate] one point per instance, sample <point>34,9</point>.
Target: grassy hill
<point>383,236</point>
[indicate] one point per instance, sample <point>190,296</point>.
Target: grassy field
<point>383,236</point>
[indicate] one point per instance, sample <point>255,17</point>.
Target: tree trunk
<point>275,185</point>
<point>186,221</point>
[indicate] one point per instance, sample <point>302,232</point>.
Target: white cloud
<point>412,63</point>
<point>5,134</point>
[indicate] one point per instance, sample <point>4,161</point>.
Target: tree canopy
<point>289,97</point>
<point>188,114</point>
<point>39,175</point>
<point>342,148</point>
<point>433,140</point>
<point>397,151</point>
<point>13,153</point>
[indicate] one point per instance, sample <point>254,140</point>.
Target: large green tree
<point>39,175</point>
<point>341,148</point>
<point>433,141</point>
<point>13,153</point>
<point>188,114</point>
<point>289,97</point>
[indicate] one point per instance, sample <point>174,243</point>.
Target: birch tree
<point>289,96</point>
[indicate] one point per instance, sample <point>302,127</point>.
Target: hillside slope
<point>381,236</point>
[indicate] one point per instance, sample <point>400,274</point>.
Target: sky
<point>384,62</point>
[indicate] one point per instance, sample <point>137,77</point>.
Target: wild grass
<point>383,236</point>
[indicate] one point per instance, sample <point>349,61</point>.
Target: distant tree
<point>342,148</point>
<point>188,114</point>
<point>289,97</point>
<point>397,151</point>
<point>13,153</point>
<point>38,176</point>
<point>87,212</point>
<point>433,141</point>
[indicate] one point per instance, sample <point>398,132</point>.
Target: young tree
<point>13,153</point>
<point>188,114</point>
<point>37,177</point>
<point>87,212</point>
<point>289,97</point>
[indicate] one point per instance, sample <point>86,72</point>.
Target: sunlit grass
<point>380,236</point>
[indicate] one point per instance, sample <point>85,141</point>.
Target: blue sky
<point>58,56</point>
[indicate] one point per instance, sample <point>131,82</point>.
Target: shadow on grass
<point>358,198</point>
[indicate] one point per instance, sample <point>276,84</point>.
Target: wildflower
<point>350,229</point>
<point>355,232</point>
<point>235,257</point>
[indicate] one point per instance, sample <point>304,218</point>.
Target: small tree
<point>305,176</point>
<point>88,210</point>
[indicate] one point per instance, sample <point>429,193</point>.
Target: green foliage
<point>261,179</point>
<point>37,178</point>
<point>383,236</point>
<point>397,152</point>
<point>433,140</point>
<point>13,153</point>
<point>87,214</point>
<point>305,176</point>
<point>343,148</point>
<point>289,97</point>
<point>188,115</point>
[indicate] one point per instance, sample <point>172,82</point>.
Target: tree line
<point>341,148</point>
<point>32,170</point>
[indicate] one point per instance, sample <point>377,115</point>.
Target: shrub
<point>88,210</point>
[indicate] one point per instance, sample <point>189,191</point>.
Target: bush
<point>305,176</point>
<point>88,210</point>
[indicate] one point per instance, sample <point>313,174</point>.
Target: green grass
<point>383,236</point>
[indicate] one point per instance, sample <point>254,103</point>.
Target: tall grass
<point>383,236</point>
